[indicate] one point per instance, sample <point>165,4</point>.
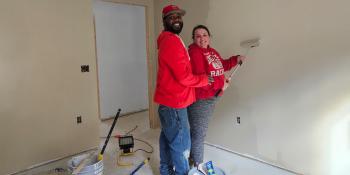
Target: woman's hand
<point>240,59</point>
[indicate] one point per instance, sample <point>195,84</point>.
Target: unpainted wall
<point>43,44</point>
<point>292,94</point>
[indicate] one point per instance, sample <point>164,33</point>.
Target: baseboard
<point>124,114</point>
<point>251,157</point>
<point>51,161</point>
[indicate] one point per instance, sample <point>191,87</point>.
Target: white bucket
<point>93,167</point>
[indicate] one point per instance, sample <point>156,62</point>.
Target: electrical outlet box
<point>84,68</point>
<point>79,120</point>
<point>238,120</point>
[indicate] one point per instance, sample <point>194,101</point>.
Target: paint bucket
<point>194,171</point>
<point>93,167</point>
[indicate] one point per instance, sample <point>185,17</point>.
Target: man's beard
<point>174,28</point>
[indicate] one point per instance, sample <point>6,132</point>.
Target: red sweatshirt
<point>175,81</point>
<point>210,62</point>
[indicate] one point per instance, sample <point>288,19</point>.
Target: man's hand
<point>210,80</point>
<point>226,84</point>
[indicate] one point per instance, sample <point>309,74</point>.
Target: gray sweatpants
<point>199,114</point>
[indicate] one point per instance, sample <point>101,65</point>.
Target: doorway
<point>121,52</point>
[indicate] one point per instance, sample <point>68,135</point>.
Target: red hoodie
<point>210,62</point>
<point>175,81</point>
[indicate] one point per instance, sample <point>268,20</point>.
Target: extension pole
<point>229,78</point>
<point>245,44</point>
<point>100,156</point>
<point>139,166</point>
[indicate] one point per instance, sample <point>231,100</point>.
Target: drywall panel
<point>42,46</point>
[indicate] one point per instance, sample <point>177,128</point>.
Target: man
<point>174,92</point>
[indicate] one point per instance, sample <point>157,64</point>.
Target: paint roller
<point>248,44</point>
<point>100,156</point>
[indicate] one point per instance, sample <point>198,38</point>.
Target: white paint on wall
<point>339,153</point>
<point>285,90</point>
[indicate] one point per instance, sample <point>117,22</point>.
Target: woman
<point>205,59</point>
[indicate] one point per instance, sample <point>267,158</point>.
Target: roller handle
<point>139,166</point>
<point>110,132</point>
<point>219,91</point>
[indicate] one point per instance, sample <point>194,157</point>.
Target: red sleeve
<point>176,57</point>
<point>228,64</point>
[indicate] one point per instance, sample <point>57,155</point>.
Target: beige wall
<point>42,45</point>
<point>293,94</point>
